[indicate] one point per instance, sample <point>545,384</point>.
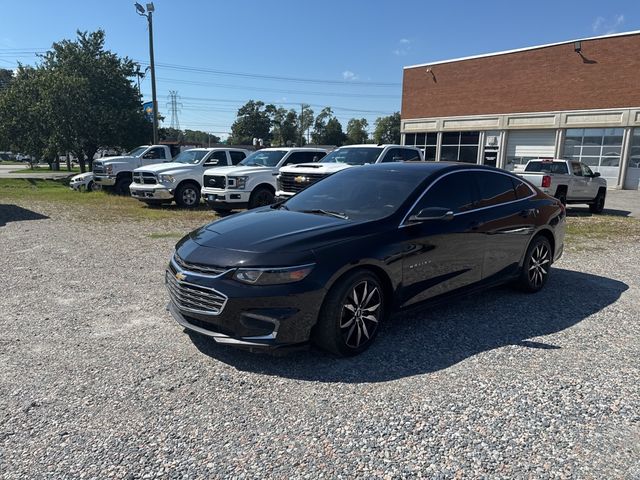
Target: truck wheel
<point>598,204</point>
<point>561,194</point>
<point>93,186</point>
<point>188,195</point>
<point>261,197</point>
<point>122,186</point>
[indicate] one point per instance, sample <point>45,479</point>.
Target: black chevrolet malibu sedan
<point>329,264</point>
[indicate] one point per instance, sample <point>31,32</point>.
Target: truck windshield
<point>353,156</point>
<point>136,152</point>
<point>190,157</point>
<point>547,167</point>
<point>263,159</point>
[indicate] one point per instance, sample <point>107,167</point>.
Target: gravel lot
<point>96,380</point>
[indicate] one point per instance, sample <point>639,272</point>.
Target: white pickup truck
<point>181,179</point>
<point>253,182</point>
<point>294,178</point>
<point>116,172</point>
<point>567,180</point>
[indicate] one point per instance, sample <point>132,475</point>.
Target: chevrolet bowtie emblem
<point>300,179</point>
<point>180,276</point>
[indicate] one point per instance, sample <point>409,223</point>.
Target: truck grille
<point>194,298</point>
<point>98,169</point>
<point>294,182</point>
<point>215,181</point>
<point>198,267</point>
<point>146,178</point>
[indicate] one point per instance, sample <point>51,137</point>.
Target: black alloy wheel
<point>351,315</point>
<point>188,195</point>
<point>261,197</point>
<point>598,205</point>
<point>537,264</point>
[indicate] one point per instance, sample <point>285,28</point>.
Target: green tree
<point>306,121</point>
<point>357,131</point>
<point>387,129</point>
<point>6,76</point>
<point>284,127</point>
<point>111,115</point>
<point>327,129</point>
<point>253,121</point>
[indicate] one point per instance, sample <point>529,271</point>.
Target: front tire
<point>188,195</point>
<point>350,317</point>
<point>536,266</point>
<point>598,204</point>
<point>122,186</point>
<point>261,197</point>
<point>92,186</point>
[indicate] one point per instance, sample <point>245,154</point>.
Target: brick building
<point>578,99</point>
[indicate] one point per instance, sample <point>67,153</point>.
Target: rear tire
<point>537,265</point>
<point>561,194</point>
<point>188,195</point>
<point>351,314</point>
<point>598,204</point>
<point>261,197</point>
<point>122,186</point>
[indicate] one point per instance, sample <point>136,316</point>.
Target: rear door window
<point>410,155</point>
<point>393,155</point>
<point>495,188</point>
<point>456,192</point>
<point>522,190</point>
<point>236,156</point>
<point>576,168</point>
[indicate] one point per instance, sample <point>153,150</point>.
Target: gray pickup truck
<point>567,180</point>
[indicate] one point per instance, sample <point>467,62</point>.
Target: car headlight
<point>109,169</point>
<point>272,276</point>
<point>167,178</point>
<point>237,182</point>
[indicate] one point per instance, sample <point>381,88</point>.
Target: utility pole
<point>301,129</point>
<point>149,14</point>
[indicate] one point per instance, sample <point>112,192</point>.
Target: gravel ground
<point>97,381</point>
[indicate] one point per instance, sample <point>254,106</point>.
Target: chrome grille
<point>144,178</point>
<point>198,267</point>
<point>98,168</point>
<point>194,298</point>
<point>294,182</point>
<point>214,181</point>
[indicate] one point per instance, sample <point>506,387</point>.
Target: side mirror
<point>596,174</point>
<point>432,213</point>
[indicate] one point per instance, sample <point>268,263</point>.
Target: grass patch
<point>10,162</point>
<point>92,206</point>
<point>596,232</point>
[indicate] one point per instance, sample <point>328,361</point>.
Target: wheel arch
<point>187,181</point>
<point>268,186</point>
<point>543,232</point>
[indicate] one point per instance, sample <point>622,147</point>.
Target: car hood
<point>266,237</point>
<point>237,170</point>
<point>171,167</point>
<point>82,177</point>
<point>318,167</point>
<point>111,160</point>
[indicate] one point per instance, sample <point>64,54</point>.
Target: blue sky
<point>349,45</point>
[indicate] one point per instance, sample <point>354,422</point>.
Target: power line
<point>174,106</point>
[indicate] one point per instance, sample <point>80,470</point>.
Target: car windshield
<point>136,152</point>
<point>357,194</point>
<point>548,167</point>
<point>263,159</point>
<point>190,156</point>
<point>353,156</point>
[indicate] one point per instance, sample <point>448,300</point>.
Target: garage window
<point>460,147</point>
<point>596,147</point>
<point>426,141</point>
<point>634,158</point>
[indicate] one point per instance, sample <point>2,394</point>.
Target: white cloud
<point>403,47</point>
<point>603,25</point>
<point>348,75</point>
<point>405,41</point>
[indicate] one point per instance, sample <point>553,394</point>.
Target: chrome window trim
<point>506,174</point>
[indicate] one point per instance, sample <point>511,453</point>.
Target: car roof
<point>431,167</point>
<point>288,149</point>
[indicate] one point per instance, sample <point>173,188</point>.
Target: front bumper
<point>76,186</point>
<point>105,180</point>
<point>216,198</point>
<point>251,316</point>
<point>150,192</point>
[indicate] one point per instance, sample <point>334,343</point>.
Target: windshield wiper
<point>327,212</point>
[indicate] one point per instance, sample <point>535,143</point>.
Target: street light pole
<point>154,99</point>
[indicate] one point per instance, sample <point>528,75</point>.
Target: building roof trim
<point>517,50</point>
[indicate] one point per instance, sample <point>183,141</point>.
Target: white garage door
<point>523,145</point>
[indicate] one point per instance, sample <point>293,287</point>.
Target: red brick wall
<point>545,79</point>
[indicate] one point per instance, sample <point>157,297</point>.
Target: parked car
<point>83,182</point>
<point>293,178</point>
<point>181,179</point>
<point>567,180</point>
<point>253,183</point>
<point>117,172</point>
<point>329,264</point>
